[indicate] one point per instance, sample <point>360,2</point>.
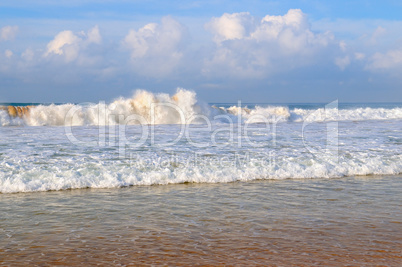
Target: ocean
<point>166,179</point>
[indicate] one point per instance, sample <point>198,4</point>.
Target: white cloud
<point>156,48</point>
<point>8,32</point>
<point>139,41</point>
<point>230,26</point>
<point>389,60</point>
<point>58,44</point>
<point>69,45</point>
<point>342,62</point>
<point>8,53</point>
<point>274,27</point>
<point>291,30</point>
<point>246,47</point>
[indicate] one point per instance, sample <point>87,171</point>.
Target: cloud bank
<point>236,50</point>
<point>246,46</point>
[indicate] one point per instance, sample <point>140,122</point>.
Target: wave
<point>181,108</point>
<point>157,170</point>
<point>356,114</point>
<point>143,108</point>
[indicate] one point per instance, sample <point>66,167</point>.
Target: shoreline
<point>375,176</point>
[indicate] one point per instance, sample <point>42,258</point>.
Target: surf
<point>181,108</point>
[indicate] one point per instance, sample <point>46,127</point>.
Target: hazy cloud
<point>28,54</point>
<point>8,33</point>
<point>378,33</point>
<point>359,56</point>
<point>93,36</point>
<point>342,62</point>
<point>342,46</point>
<point>8,53</point>
<point>389,60</point>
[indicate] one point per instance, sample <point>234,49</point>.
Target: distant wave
<point>181,108</point>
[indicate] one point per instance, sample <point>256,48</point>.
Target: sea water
<point>239,182</point>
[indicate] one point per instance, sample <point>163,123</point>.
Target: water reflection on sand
<point>301,222</point>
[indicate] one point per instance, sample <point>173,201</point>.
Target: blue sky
<point>254,51</point>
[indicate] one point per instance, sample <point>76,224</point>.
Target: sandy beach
<point>308,222</point>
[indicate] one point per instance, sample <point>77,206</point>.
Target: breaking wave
<point>181,108</point>
<point>92,173</point>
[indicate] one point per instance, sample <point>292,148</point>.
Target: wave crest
<point>182,108</point>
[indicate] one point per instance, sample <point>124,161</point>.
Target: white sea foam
<point>355,114</point>
<point>268,114</point>
<point>96,173</point>
<point>43,158</point>
<point>366,141</point>
<point>6,120</point>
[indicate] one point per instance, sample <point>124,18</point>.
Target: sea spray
<point>181,108</point>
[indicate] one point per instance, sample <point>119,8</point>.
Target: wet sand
<point>331,222</point>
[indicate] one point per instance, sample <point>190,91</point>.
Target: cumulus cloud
<point>8,33</point>
<point>230,26</point>
<point>246,46</point>
<point>155,48</point>
<point>69,45</point>
<point>58,44</point>
<point>291,30</point>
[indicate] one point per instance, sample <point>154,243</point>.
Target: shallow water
<point>345,221</point>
